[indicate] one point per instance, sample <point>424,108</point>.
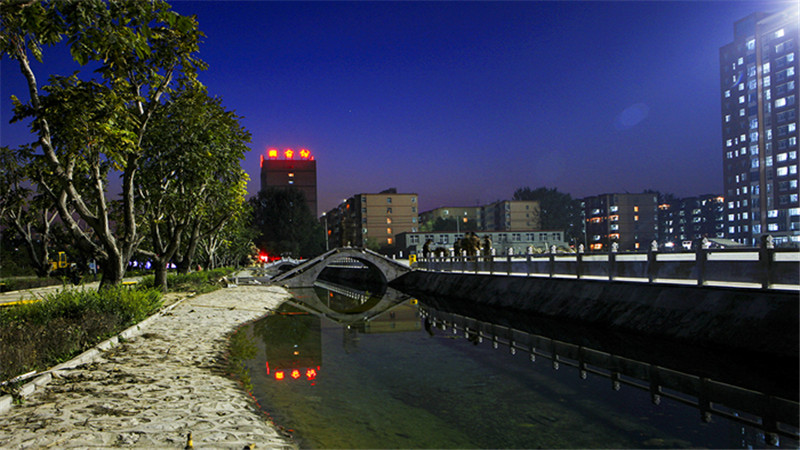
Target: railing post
<point>700,258</point>
<point>552,268</point>
<point>652,263</point>
<point>528,260</point>
<point>766,257</point>
<point>509,255</point>
<point>612,265</point>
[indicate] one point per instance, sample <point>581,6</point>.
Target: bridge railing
<point>764,268</point>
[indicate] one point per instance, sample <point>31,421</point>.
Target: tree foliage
<point>191,181</point>
<point>285,225</point>
<point>88,125</point>
<point>558,210</point>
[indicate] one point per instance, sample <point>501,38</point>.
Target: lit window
<point>727,117</point>
<point>782,157</point>
<point>741,112</point>
<point>728,93</point>
<point>790,57</point>
<point>766,82</point>
<point>780,102</point>
<point>765,68</point>
<point>388,220</point>
<point>790,71</point>
<point>388,231</point>
<point>741,60</point>
<point>751,44</point>
<point>741,86</point>
<point>791,127</point>
<point>779,34</point>
<point>741,99</point>
<point>389,241</point>
<point>772,226</point>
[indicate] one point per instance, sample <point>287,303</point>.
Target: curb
<point>7,401</point>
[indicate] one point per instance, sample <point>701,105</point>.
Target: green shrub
<point>38,335</point>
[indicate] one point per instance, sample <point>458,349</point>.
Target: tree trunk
<point>113,272</point>
<point>160,271</point>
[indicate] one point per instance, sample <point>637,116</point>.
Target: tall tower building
<point>759,93</point>
<point>291,169</point>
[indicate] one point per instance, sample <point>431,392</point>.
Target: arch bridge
<point>306,274</point>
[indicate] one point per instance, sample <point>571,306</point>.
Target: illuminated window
<point>727,93</point>
<point>751,44</point>
<point>635,209</point>
<point>388,220</point>
<point>291,174</point>
<point>388,231</point>
<point>765,68</point>
<point>389,241</point>
<point>779,34</point>
<point>388,210</point>
<point>741,60</point>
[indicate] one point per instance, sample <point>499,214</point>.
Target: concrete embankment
<point>748,319</point>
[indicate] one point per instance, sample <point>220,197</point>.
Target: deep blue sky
<point>463,103</point>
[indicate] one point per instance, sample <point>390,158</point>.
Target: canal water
<point>341,368</point>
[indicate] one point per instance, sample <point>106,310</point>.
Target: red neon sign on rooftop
<point>274,153</point>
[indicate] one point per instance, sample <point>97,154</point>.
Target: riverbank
<point>753,320</point>
<point>153,389</point>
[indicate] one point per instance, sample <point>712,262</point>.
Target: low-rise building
<point>686,220</point>
<point>630,220</point>
<point>371,220</point>
<point>539,241</point>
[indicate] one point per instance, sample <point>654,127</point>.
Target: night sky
<point>463,103</point>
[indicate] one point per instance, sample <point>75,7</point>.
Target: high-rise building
<point>630,220</point>
<point>759,94</point>
<point>291,169</point>
<point>367,220</point>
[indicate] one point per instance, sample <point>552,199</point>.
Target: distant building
<point>497,216</point>
<point>759,95</point>
<point>291,169</point>
<point>467,217</point>
<point>365,220</point>
<point>539,240</point>
<point>686,220</point>
<point>630,220</point>
<point>510,215</point>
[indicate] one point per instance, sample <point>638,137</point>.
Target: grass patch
<point>39,335</point>
<point>201,282</point>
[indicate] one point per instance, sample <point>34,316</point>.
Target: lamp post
<point>325,219</point>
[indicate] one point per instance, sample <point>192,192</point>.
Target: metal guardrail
<point>748,268</point>
<point>776,416</point>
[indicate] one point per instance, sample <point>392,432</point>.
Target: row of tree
<point>133,109</point>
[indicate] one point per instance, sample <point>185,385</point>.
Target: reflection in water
<point>400,375</point>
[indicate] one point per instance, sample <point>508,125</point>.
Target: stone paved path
<point>151,391</point>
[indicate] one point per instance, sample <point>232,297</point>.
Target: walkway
<point>154,389</point>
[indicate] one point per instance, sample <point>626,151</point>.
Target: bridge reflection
<point>769,405</point>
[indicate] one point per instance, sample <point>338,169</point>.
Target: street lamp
<point>325,218</point>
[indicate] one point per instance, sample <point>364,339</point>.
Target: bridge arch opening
<point>354,271</point>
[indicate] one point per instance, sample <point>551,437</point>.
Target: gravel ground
<point>155,389</point>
